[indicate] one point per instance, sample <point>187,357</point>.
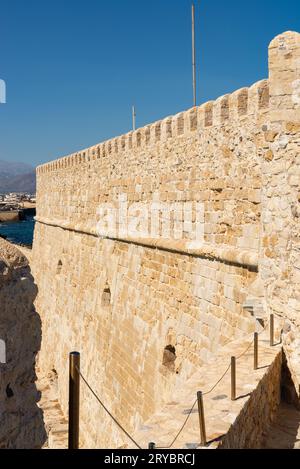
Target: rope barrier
<point>190,412</point>
<point>107,411</point>
<point>181,429</point>
<point>231,341</point>
<point>240,356</point>
<point>252,342</point>
<point>218,382</point>
<point>212,389</point>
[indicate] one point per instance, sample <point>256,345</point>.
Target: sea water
<point>20,232</point>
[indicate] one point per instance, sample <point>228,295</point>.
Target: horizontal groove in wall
<point>224,254</point>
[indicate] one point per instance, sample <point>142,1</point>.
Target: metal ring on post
<point>201,419</point>
<point>74,395</point>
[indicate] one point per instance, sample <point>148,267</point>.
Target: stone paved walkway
<point>220,411</point>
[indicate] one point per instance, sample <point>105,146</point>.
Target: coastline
<point>18,214</point>
<point>9,216</point>
<point>19,232</point>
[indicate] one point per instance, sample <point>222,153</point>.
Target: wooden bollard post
<point>201,419</point>
<point>233,378</point>
<point>255,351</point>
<point>74,394</point>
<point>272,330</point>
<point>151,445</point>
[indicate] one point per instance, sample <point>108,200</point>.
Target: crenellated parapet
<point>227,109</point>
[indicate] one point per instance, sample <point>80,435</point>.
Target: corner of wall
<point>280,243</point>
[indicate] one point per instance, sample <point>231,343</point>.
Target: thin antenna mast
<point>133,118</point>
<point>194,57</point>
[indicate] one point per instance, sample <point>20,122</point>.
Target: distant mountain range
<point>17,177</point>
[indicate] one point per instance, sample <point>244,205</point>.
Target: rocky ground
<point>55,423</point>
<point>21,420</point>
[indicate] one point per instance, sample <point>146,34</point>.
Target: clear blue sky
<point>73,68</point>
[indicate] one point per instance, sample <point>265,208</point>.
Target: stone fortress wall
<point>121,301</point>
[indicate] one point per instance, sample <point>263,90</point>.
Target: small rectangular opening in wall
<point>106,297</point>
<point>169,357</point>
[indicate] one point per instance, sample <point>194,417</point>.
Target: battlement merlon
<point>284,77</point>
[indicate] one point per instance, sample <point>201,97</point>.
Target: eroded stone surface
<point>56,424</point>
<point>21,420</point>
